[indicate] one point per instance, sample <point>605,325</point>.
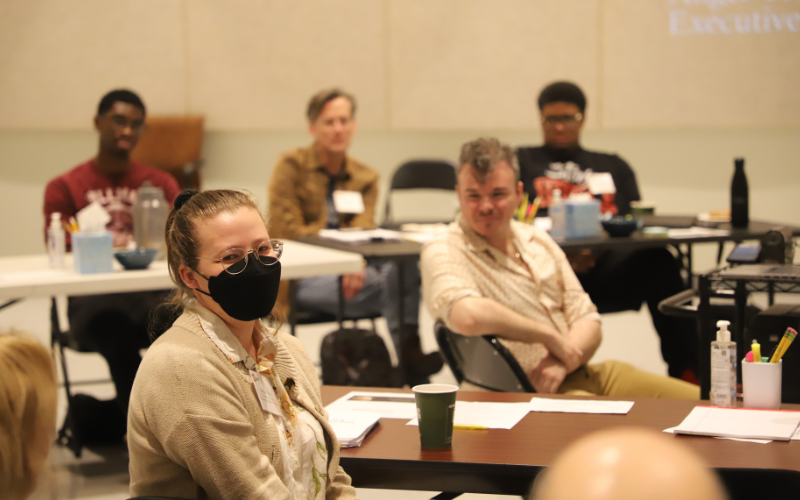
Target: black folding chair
<point>420,174</point>
<point>482,361</point>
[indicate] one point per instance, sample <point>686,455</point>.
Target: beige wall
<point>414,64</point>
<point>673,96</point>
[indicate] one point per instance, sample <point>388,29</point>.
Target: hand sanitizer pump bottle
<point>723,367</point>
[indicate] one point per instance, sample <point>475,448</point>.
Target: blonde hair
<point>27,408</point>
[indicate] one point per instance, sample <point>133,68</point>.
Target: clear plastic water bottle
<point>150,218</point>
<point>56,241</point>
<point>557,216</point>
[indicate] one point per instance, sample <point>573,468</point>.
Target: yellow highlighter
<point>523,207</point>
<point>470,427</point>
<point>756,347</point>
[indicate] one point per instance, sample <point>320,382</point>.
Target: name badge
<point>348,202</point>
<point>267,397</point>
<point>601,183</point>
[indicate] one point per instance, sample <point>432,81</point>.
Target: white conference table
<point>26,276</point>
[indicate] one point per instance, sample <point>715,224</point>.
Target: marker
<point>532,211</point>
<point>522,208</point>
<point>756,352</point>
<point>470,427</point>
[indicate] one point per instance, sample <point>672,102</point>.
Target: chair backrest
<point>173,143</point>
<point>421,174</point>
<point>482,361</point>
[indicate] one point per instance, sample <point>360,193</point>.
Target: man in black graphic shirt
<point>619,279</point>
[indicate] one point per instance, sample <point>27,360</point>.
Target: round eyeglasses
<point>234,260</point>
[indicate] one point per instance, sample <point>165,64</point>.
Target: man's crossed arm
<point>473,316</point>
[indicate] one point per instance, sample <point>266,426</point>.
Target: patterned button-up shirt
<point>460,263</point>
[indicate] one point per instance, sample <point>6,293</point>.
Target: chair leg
<point>66,435</point>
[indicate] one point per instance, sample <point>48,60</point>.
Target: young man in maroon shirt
<point>115,325</point>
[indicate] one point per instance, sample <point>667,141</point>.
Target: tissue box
<point>93,252</point>
<point>582,219</point>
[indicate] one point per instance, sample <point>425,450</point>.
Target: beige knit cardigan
<point>196,428</point>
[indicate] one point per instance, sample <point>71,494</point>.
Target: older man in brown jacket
<point>303,192</point>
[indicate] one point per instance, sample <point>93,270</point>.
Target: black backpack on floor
<point>351,356</point>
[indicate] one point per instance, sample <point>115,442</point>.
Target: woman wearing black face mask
<point>224,407</point>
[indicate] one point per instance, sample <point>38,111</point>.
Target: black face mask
<point>250,294</point>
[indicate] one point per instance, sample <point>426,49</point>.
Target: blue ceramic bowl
<point>136,259</point>
<point>620,226</point>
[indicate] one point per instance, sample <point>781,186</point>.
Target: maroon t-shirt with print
<point>74,190</point>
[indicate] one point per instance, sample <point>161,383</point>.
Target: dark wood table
<point>406,251</point>
<point>505,462</point>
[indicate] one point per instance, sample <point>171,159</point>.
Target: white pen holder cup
<point>761,384</point>
<point>93,252</point>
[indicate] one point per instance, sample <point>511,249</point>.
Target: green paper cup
<point>436,405</point>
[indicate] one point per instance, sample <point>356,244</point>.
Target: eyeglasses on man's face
<point>567,120</point>
<point>121,122</point>
<point>234,260</point>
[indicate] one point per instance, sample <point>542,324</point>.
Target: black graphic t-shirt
<point>543,169</point>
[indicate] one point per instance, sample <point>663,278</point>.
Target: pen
<point>756,352</point>
<point>470,427</point>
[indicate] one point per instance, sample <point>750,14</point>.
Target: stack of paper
<point>743,423</point>
<point>352,428</point>
<point>361,236</point>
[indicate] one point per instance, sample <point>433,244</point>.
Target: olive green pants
<point>615,378</point>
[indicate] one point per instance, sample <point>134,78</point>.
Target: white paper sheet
<point>741,423</point>
<point>489,415</point>
<point>696,232</point>
<point>382,404</point>
<point>364,236</point>
<point>580,406</point>
<point>796,437</point>
<point>671,430</point>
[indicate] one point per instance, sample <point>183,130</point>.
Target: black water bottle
<point>740,205</point>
